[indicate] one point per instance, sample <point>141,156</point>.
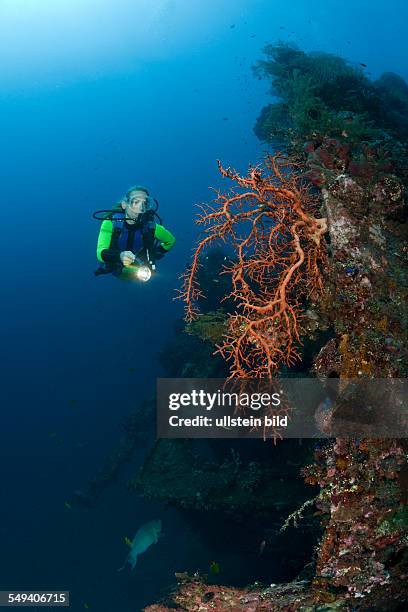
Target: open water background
<point>94,97</point>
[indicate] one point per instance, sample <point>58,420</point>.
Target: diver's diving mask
<point>137,204</point>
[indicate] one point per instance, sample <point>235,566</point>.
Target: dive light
<point>143,270</point>
<point>143,273</point>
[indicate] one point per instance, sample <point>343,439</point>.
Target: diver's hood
<point>136,188</point>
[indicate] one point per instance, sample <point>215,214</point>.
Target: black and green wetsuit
<point>115,236</point>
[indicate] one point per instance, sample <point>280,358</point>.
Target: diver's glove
<point>127,258</point>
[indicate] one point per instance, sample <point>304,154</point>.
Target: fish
<point>127,541</point>
<point>147,535</point>
<point>214,567</point>
<point>67,505</point>
<point>363,65</point>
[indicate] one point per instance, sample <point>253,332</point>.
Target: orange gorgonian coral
<point>269,221</point>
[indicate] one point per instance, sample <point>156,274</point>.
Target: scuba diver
<point>130,241</point>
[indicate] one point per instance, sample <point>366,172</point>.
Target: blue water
<point>94,97</point>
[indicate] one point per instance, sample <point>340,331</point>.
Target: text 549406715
<point>34,598</point>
